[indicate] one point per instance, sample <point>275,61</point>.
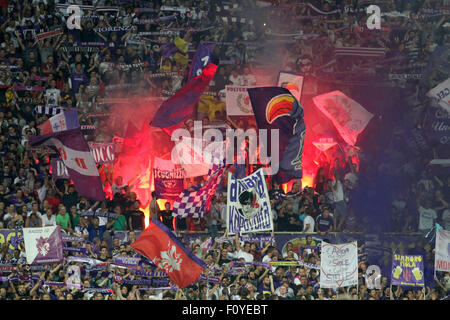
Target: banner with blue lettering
<point>248,205</point>
<point>168,184</point>
<point>202,57</point>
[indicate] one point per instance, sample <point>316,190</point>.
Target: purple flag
<point>78,159</point>
<point>407,271</point>
<point>175,110</point>
<point>59,170</point>
<point>168,184</point>
<point>201,59</point>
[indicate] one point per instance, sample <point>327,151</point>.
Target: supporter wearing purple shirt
<point>77,78</point>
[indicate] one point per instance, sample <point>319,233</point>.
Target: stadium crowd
<point>121,53</point>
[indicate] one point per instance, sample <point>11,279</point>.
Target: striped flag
<point>66,120</point>
<point>360,52</point>
<point>48,110</point>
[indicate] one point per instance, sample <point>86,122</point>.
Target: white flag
<point>442,255</point>
<point>43,245</point>
<point>442,93</point>
<point>339,265</point>
<point>293,82</point>
<point>347,115</point>
<point>238,101</point>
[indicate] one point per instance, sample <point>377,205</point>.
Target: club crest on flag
<point>169,260</point>
<point>43,246</point>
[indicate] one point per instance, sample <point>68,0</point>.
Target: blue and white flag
<point>248,204</point>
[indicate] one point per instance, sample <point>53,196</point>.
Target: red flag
<point>160,245</point>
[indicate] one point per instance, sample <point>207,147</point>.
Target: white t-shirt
<point>338,194</point>
<point>237,81</point>
<point>247,256</point>
<point>52,97</point>
<point>446,219</point>
<point>309,220</point>
<point>48,222</point>
<point>426,218</point>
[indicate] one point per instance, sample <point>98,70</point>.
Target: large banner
<point>238,101</point>
<point>407,271</point>
<point>339,265</point>
<point>103,153</point>
<point>442,255</point>
<point>442,93</point>
<point>168,184</point>
<point>43,245</point>
<point>347,115</point>
<point>248,204</point>
<point>59,169</point>
<point>293,82</point>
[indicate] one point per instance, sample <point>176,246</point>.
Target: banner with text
<point>339,265</point>
<point>442,255</point>
<point>248,205</point>
<point>237,101</point>
<point>43,245</point>
<point>407,271</point>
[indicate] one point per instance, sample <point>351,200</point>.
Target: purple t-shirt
<point>323,224</point>
<point>77,79</point>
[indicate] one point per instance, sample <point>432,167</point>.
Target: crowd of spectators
<point>79,68</point>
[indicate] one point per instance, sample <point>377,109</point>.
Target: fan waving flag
<point>347,115</point>
<point>66,120</point>
<point>276,108</point>
<point>178,108</point>
<point>201,59</point>
<point>159,244</point>
<point>196,201</point>
<point>78,159</point>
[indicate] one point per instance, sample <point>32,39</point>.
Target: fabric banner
<point>76,155</point>
<point>442,255</point>
<point>442,94</point>
<point>248,204</point>
<point>360,52</point>
<point>59,170</point>
<point>103,153</point>
<point>275,108</point>
<point>347,115</point>
<point>238,101</point>
<point>43,245</point>
<point>196,201</point>
<point>339,265</point>
<point>407,271</point>
<point>437,128</point>
<point>159,245</point>
<point>178,108</point>
<point>49,34</point>
<point>65,120</point>
<point>291,81</point>
<point>202,57</point>
<point>168,184</point>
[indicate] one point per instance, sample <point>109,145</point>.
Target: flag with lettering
<point>202,57</point>
<point>80,163</point>
<point>442,255</point>
<point>59,170</point>
<point>168,179</point>
<point>275,108</point>
<point>238,101</point>
<point>160,245</point>
<point>43,245</point>
<point>407,270</point>
<point>66,120</point>
<point>339,265</point>
<point>179,107</point>
<point>347,115</point>
<point>442,94</point>
<point>248,204</point>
